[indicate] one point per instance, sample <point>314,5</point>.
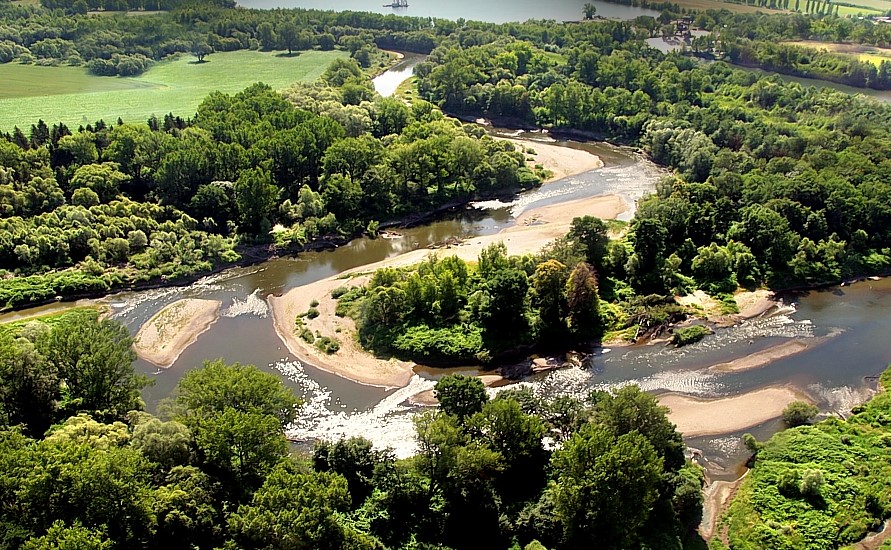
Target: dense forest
<point>108,206</point>
<point>215,470</point>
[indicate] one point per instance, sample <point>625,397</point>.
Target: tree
<point>631,409</point>
<point>582,301</point>
<point>355,459</point>
<point>548,285</point>
<point>287,33</point>
<point>255,196</point>
<point>94,359</point>
<point>298,510</point>
<point>201,49</point>
<point>591,234</point>
<point>605,486</point>
<point>460,396</point>
<point>799,413</point>
<point>216,387</point>
<point>29,386</point>
<point>590,10</point>
<point>74,537</point>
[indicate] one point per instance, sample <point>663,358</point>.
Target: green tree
<point>74,537</point>
<point>216,387</point>
<point>256,197</point>
<point>799,413</point>
<point>94,359</point>
<point>589,10</point>
<point>591,234</point>
<point>460,396</point>
<point>582,301</point>
<point>548,285</point>
<point>29,385</point>
<point>605,487</point>
<point>298,510</point>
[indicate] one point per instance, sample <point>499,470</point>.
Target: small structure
<point>397,4</point>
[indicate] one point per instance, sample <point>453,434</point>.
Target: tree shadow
<point>198,62</point>
<point>286,54</point>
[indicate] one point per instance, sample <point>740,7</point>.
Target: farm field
<point>73,96</point>
<point>862,52</point>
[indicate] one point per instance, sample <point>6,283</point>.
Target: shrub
<point>798,413</point>
<point>339,291</point>
<point>306,335</point>
<point>314,303</point>
<point>328,345</point>
<point>312,312</point>
<point>690,335</point>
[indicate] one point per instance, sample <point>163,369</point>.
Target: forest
<point>111,206</point>
<point>772,184</point>
<point>214,470</point>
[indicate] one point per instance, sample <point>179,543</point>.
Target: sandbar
<point>560,161</point>
<point>169,332</point>
<point>695,417</point>
<point>760,358</point>
<point>533,230</point>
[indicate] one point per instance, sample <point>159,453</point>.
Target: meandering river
<point>849,327</point>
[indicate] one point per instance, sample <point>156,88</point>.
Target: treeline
<point>819,486</point>
<point>120,45</point>
<point>83,467</point>
<point>83,6</point>
<point>776,183</point>
<point>107,206</point>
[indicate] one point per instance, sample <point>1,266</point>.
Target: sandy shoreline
<point>169,332</point>
<point>561,161</point>
<point>695,417</point>
<point>533,230</point>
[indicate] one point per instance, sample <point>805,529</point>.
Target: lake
<point>492,12</point>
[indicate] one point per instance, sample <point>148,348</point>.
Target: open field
<point>870,54</point>
<point>72,96</point>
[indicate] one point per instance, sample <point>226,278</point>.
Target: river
<point>492,12</point>
<point>848,326</point>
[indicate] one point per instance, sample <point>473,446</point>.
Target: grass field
<point>869,54</point>
<point>72,96</point>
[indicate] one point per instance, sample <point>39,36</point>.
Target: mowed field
<point>869,54</point>
<point>73,96</point>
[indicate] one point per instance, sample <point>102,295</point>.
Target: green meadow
<point>73,96</point>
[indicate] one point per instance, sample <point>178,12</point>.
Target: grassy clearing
<point>869,54</point>
<point>72,96</point>
<point>720,5</point>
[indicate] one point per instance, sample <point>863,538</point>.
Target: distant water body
<point>493,12</point>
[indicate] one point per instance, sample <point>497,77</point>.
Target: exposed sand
<point>534,229</point>
<point>763,357</point>
<point>560,161</point>
<point>696,417</point>
<point>749,303</point>
<point>163,338</point>
<point>716,498</point>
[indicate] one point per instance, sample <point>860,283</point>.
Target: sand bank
<point>763,357</point>
<point>350,361</point>
<point>696,417</point>
<point>750,304</point>
<point>533,230</point>
<point>163,338</point>
<point>560,161</point>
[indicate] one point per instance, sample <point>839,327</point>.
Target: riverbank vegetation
<point>815,486</point>
<point>215,471</point>
<point>112,206</point>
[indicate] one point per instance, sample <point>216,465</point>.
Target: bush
<point>339,291</point>
<point>306,335</point>
<point>690,335</point>
<point>314,303</point>
<point>328,345</point>
<point>798,413</point>
<point>312,312</point>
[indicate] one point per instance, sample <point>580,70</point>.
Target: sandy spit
<point>562,162</point>
<point>762,358</point>
<point>697,417</point>
<point>169,332</point>
<point>533,230</point>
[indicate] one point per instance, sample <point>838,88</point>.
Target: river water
<point>497,11</point>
